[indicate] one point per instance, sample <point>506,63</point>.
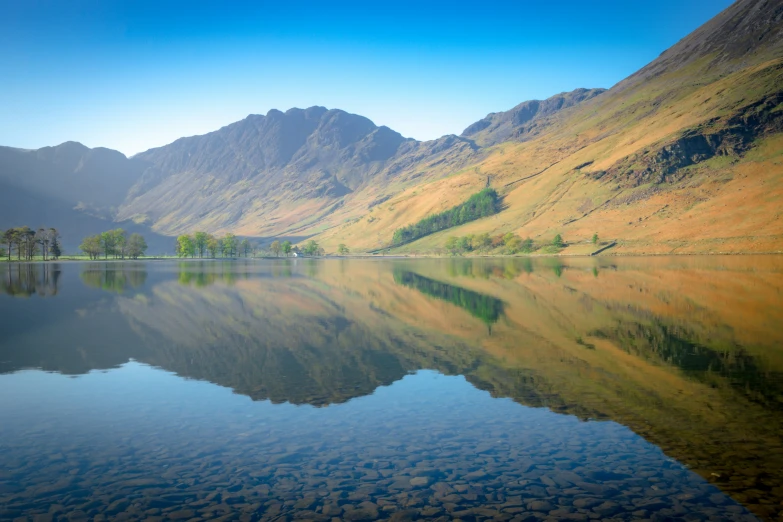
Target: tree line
<point>481,204</point>
<point>202,244</point>
<point>508,243</point>
<point>29,243</point>
<point>116,244</point>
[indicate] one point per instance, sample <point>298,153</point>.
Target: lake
<point>362,389</point>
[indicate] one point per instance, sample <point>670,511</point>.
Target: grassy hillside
<point>684,156</point>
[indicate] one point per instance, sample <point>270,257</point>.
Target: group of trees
<point>285,247</point>
<point>508,243</point>
<point>482,204</point>
<point>29,243</point>
<point>203,244</point>
<point>114,243</point>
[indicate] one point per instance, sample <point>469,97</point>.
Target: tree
<point>27,242</point>
<point>451,244</point>
<point>275,247</point>
<point>558,241</point>
<point>54,243</point>
<point>595,238</point>
<point>230,245</point>
<point>342,249</point>
<point>42,238</point>
<point>212,246</point>
<point>244,246</point>
<point>107,243</point>
<point>91,246</point>
<point>527,245</point>
<point>514,245</point>
<point>200,242</point>
<point>286,247</point>
<point>185,246</point>
<point>311,248</point>
<point>9,237</point>
<point>120,239</point>
<point>137,246</point>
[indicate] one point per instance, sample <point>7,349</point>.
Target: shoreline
<point>397,256</point>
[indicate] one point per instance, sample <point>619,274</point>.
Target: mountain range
<point>682,156</point>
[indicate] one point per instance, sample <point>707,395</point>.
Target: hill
<point>682,156</point>
<point>70,187</point>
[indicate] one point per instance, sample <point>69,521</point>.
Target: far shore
<point>69,259</point>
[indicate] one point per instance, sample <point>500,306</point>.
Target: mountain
<point>70,187</point>
<point>522,120</point>
<point>275,174</point>
<point>682,156</point>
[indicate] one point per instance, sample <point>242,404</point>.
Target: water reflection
<point>483,306</point>
<point>687,353</point>
<point>26,279</point>
<point>114,277</point>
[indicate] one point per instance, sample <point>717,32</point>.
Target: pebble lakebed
<point>416,457</point>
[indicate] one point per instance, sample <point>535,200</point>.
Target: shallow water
<point>514,389</point>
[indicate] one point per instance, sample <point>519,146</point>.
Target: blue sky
<point>132,75</point>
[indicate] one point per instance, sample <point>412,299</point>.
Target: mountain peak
<point>748,31</point>
<point>497,127</point>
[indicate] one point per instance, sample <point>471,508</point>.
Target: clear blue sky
<point>131,75</point>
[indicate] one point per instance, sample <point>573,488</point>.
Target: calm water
<point>587,389</point>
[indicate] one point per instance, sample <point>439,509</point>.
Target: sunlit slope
<point>684,156</point>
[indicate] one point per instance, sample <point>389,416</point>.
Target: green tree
<point>120,242</point>
<point>311,248</point>
<point>275,247</point>
<point>185,246</point>
<point>527,245</point>
<point>107,244</point>
<point>230,245</point>
<point>342,249</point>
<point>287,247</point>
<point>595,238</point>
<point>200,242</point>
<point>245,247</point>
<point>451,244</point>
<point>213,246</point>
<point>91,245</point>
<point>514,245</point>
<point>136,246</point>
<point>558,241</point>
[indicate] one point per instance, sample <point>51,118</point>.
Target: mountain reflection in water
<point>687,353</point>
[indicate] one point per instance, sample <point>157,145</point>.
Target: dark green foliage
<point>485,307</point>
<point>482,204</point>
<point>558,241</point>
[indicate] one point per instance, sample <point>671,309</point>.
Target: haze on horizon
<point>136,75</point>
